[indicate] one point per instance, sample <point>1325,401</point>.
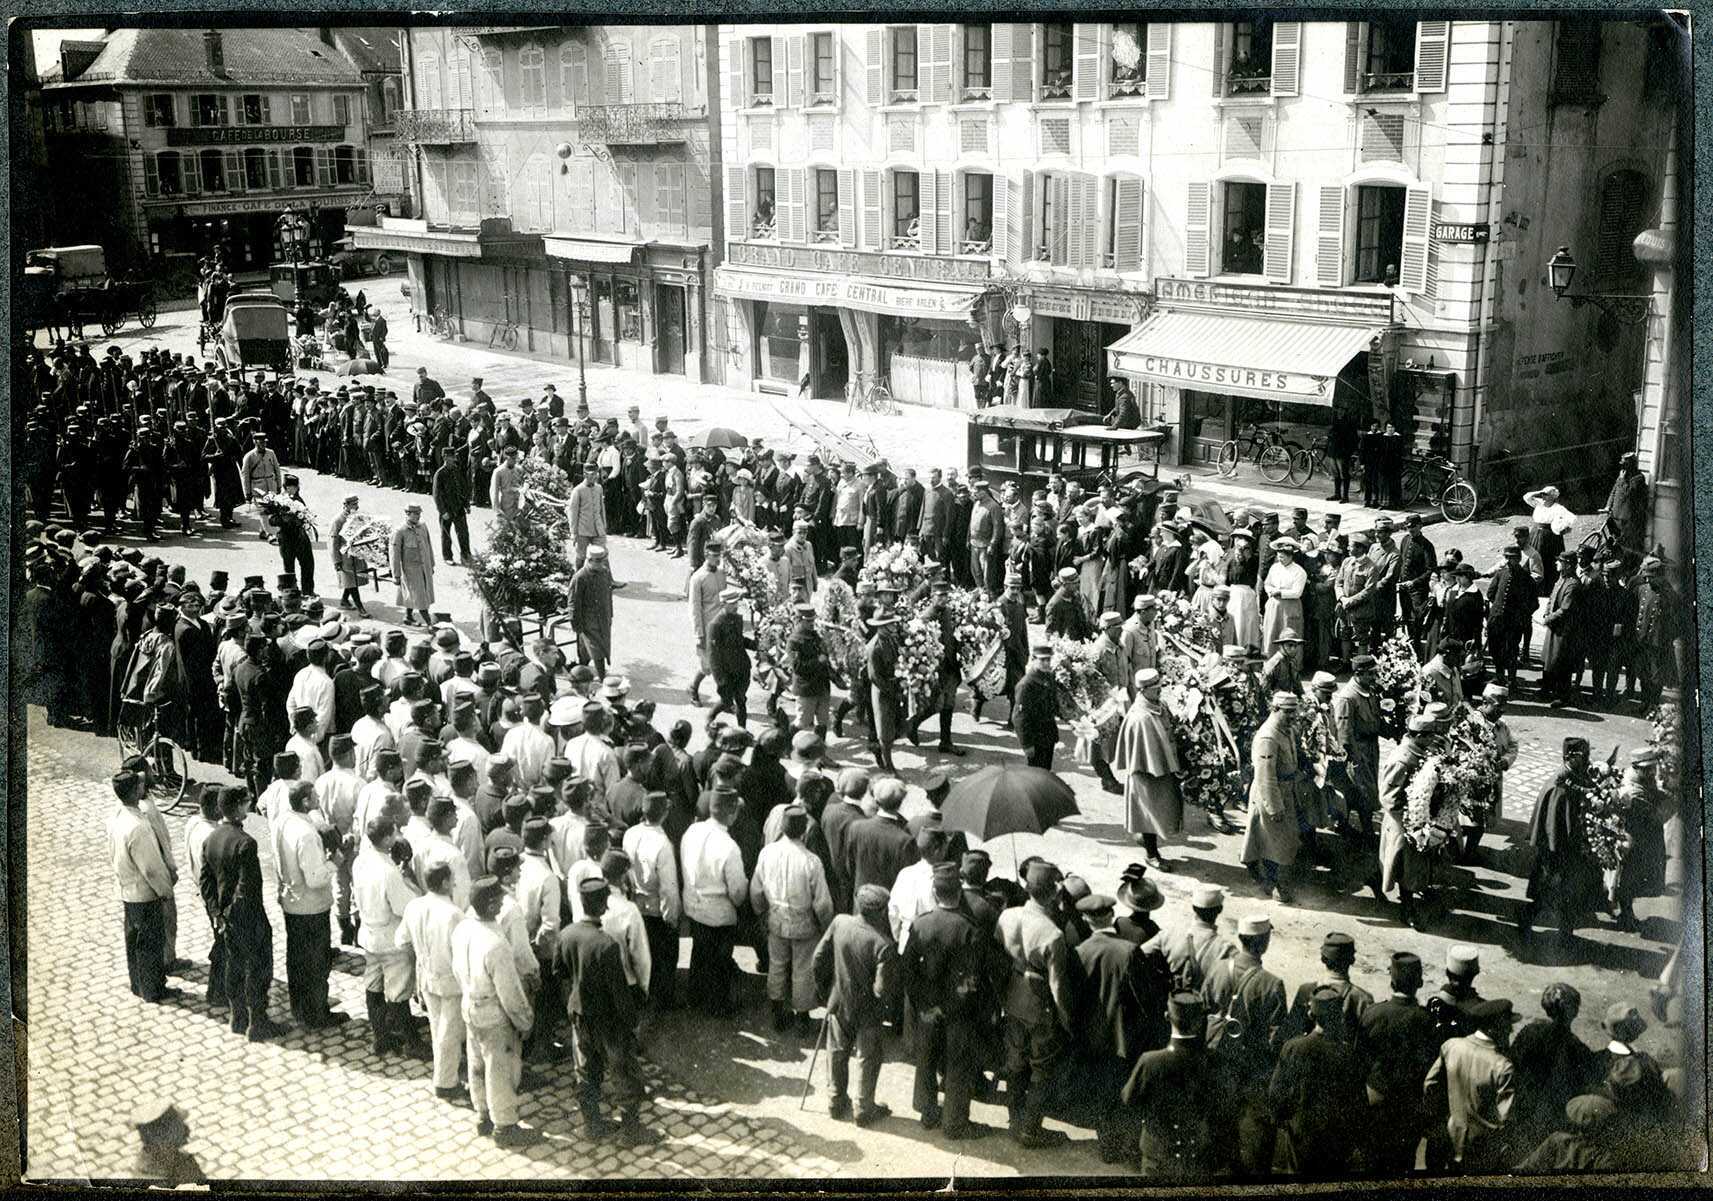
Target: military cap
<point>485,892</point>
<point>502,859</point>
<point>872,898</point>
<point>1096,903</point>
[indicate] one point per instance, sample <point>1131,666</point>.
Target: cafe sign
<point>1326,304</point>
<point>252,135</point>
<point>843,291</point>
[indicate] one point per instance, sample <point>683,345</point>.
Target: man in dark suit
<point>877,848</point>
<point>603,1019</point>
<point>946,970</point>
<point>855,965</point>
<point>907,507</point>
<point>1511,598</point>
<point>836,822</point>
<point>1035,706</point>
<point>452,503</point>
<point>936,516</point>
<point>1182,1100</point>
<point>1315,1089</point>
<point>1124,1014</point>
<point>1565,619</point>
<point>1398,1040</point>
<point>1416,563</point>
<point>1337,954</point>
<point>231,887</point>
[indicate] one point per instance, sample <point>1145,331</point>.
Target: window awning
<point>586,250</point>
<point>1292,361</point>
<point>368,237</point>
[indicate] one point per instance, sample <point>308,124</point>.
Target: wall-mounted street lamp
<point>1627,308</point>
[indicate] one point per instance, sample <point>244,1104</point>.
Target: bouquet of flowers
<point>369,539</point>
<point>1473,758</point>
<point>918,661</point>
<point>898,568</point>
<point>1667,738</point>
<point>1099,723</point>
<point>1400,676</point>
<point>1603,808</point>
<point>745,566</point>
<point>278,509</point>
<point>544,495</point>
<point>1195,627</point>
<point>1431,818</point>
<point>1202,735</point>
<point>977,623</point>
<point>1316,742</point>
<point>1079,680</point>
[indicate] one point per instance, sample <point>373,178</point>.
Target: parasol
<point>719,438</point>
<point>1204,513</point>
<point>359,367</point>
<point>1008,800</point>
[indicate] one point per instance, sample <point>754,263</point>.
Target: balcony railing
<point>907,241</point>
<point>975,92</point>
<point>975,246</point>
<point>631,124</point>
<point>904,95</point>
<point>435,126</point>
<point>1126,85</point>
<point>1389,81</point>
<point>1248,85</point>
<point>764,231</point>
<point>823,237</point>
<point>1056,86</point>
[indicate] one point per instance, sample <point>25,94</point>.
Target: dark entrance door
<point>669,314</point>
<point>1079,363</point>
<point>832,358</point>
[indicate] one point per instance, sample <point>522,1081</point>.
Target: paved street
<point>320,1105</point>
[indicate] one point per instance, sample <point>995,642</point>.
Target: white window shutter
<point>927,201</point>
<point>1127,224</point>
<point>1220,66</point>
<point>944,212</point>
<point>1023,62</point>
<point>1001,229</point>
<point>1085,74</point>
<point>274,174</point>
<point>1089,231</point>
<point>1072,218</point>
<point>151,179</point>
<point>1352,56</point>
<point>1329,238</point>
<point>1281,226</point>
<point>999,61</point>
<point>1287,58</point>
<point>1160,60</point>
<point>939,79</point>
<point>1197,219</point>
<point>793,97</point>
<point>324,167</point>
<point>190,173</point>
<point>874,64</point>
<point>1433,39</point>
<point>781,72</point>
<point>737,213</point>
<point>795,228</point>
<point>872,233</point>
<point>1418,227</point>
<point>1058,248</point>
<point>737,73</point>
<point>847,207</point>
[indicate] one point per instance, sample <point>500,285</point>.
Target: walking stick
<point>809,1080</point>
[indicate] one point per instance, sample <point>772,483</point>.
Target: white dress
<point>1284,586</point>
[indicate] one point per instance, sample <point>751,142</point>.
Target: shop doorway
<point>1079,364</point>
<point>831,364</point>
<point>669,312</point>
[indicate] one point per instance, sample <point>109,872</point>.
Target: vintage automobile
<point>69,285</point>
<point>255,332</point>
<point>295,282</point>
<point>353,262</point>
<point>1011,442</point>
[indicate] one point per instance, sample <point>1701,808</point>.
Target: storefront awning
<point>451,245</point>
<point>846,291</point>
<point>584,250</point>
<point>1292,361</point>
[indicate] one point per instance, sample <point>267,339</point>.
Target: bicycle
<point>1307,462</point>
<point>440,324</point>
<point>139,733</point>
<point>1437,479</point>
<point>505,334</point>
<point>876,398</point>
<point>1267,448</point>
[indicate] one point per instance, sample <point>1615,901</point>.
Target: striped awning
<point>1292,361</point>
<point>588,250</point>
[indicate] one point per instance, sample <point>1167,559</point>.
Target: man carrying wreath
<point>1566,875</point>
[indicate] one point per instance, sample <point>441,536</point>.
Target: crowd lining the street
<point>512,844</point>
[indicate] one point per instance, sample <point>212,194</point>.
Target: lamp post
<point>580,310</point>
<point>1628,308</point>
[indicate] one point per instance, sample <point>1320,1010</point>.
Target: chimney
<point>326,36</point>
<point>216,51</point>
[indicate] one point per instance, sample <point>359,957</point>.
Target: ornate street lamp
<point>1628,308</point>
<point>580,307</point>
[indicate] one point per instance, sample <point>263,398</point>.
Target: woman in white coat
<point>1284,587</point>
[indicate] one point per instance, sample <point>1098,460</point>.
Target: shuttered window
<point>975,81</point>
<point>901,65</point>
<point>1379,233</point>
<point>976,218</point>
<point>824,224</point>
<point>1123,249</point>
<point>1624,212</point>
<point>761,71</point>
<point>1576,63</point>
<point>906,210</point>
<point>532,73</point>
<point>1058,52</point>
<point>1128,56</point>
<point>1243,233</point>
<point>823,77</point>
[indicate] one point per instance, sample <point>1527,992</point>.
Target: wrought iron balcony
<point>435,126</point>
<point>1126,84</point>
<point>631,124</point>
<point>824,236</point>
<point>974,92</point>
<point>1248,85</point>
<point>1389,81</point>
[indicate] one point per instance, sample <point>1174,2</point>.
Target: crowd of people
<point>517,851</point>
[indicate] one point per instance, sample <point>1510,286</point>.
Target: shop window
<point>778,346</point>
<point>1251,71</point>
<point>761,72</point>
<point>1576,63</point>
<point>826,228</point>
<point>158,111</point>
<point>977,81</point>
<point>300,109</point>
<point>628,306</point>
<point>1058,50</point>
<point>209,109</point>
<point>1624,213</point>
<point>1379,234</point>
<point>302,167</point>
<point>344,165</point>
<point>532,72</point>
<point>167,170</point>
<point>1128,60</point>
<point>906,211</point>
<point>1243,239</point>
<point>823,78</point>
<point>255,169</point>
<point>765,221</point>
<point>977,214</point>
<point>1390,64</point>
<point>902,64</point>
<point>213,170</point>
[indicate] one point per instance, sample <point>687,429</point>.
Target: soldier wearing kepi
<point>945,970</point>
<point>1039,1004</point>
<point>1400,1041</point>
<point>1270,835</point>
<point>383,899</point>
<point>232,890</point>
<point>603,1018</point>
<point>1566,877</point>
<point>497,1016</point>
<point>1181,1096</point>
<point>855,968</point>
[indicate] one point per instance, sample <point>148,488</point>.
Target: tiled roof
<point>178,56</point>
<point>372,49</point>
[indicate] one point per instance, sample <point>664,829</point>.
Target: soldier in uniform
<point>231,887</point>
<point>946,972</point>
<point>1125,992</point>
<point>1337,955</point>
<point>145,469</point>
<point>111,446</point>
<point>1270,835</point>
<point>1039,1004</point>
<point>1356,719</point>
<point>1248,1010</point>
<point>1182,1098</point>
<point>1315,1089</point>
<point>1566,878</point>
<point>1399,1040</point>
<point>945,697</point>
<point>1036,707</point>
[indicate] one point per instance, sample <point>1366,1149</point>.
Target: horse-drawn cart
<point>69,286</point>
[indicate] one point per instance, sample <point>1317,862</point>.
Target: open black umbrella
<point>721,438</point>
<point>1008,800</point>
